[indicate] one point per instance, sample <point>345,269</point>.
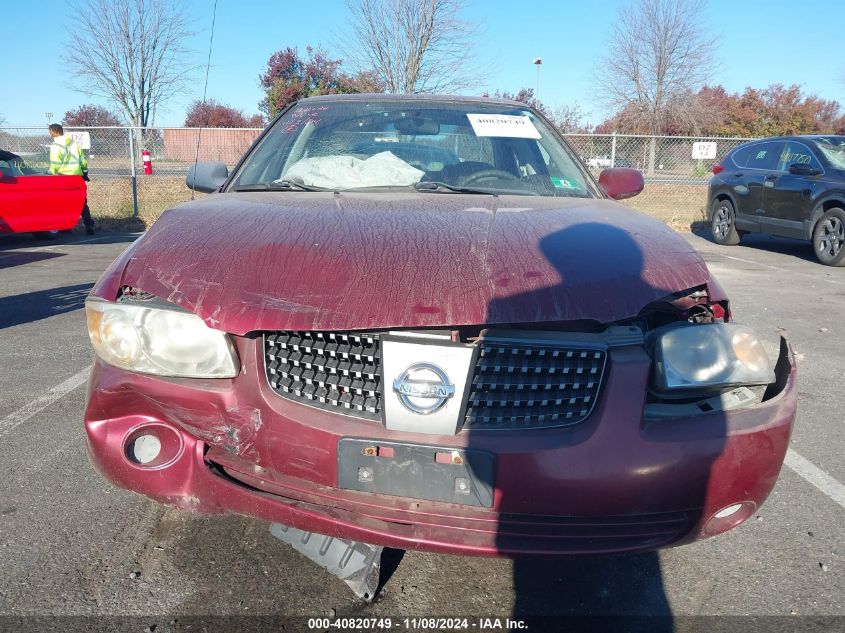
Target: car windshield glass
<point>833,147</point>
<point>383,145</point>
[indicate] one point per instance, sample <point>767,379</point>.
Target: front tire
<point>723,223</point>
<point>46,235</point>
<point>829,238</point>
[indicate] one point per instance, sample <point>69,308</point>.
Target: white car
<point>599,162</point>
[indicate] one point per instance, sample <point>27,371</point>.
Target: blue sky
<point>761,42</point>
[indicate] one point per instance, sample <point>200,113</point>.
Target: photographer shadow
<point>588,589</point>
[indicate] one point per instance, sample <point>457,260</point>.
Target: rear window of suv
<point>740,156</point>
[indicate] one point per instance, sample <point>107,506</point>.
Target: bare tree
<point>658,55</point>
<point>569,118</point>
<point>412,45</point>
<point>130,52</point>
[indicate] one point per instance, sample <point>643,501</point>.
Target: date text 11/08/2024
<point>418,624</point>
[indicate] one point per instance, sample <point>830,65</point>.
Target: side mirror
<point>621,182</point>
<point>803,169</point>
<point>206,177</point>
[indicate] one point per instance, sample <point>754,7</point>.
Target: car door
<point>762,162</point>
<point>735,176</point>
<point>788,198</point>
<point>747,179</point>
<point>31,203</point>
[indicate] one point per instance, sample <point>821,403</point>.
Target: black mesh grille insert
<point>516,384</point>
<point>520,386</point>
<point>327,369</point>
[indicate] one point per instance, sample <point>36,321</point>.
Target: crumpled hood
<point>290,260</point>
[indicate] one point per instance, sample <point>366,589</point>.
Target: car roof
<point>794,137</point>
<point>399,98</point>
<point>4,155</point>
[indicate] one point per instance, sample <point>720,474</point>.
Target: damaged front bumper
<point>616,482</point>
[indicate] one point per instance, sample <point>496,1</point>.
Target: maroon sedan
<point>420,323</point>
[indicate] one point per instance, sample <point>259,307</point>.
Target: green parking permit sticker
<point>562,183</point>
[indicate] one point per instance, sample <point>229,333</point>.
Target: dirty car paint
<point>268,260</point>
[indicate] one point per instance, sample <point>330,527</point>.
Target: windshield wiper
<point>434,185</point>
<point>278,185</point>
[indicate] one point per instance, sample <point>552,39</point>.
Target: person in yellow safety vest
<point>68,159</point>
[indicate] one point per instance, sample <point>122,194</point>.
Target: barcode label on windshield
<point>507,125</point>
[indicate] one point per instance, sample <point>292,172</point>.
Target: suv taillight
<point>718,168</point>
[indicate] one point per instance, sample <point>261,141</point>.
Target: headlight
<point>155,340</point>
<point>713,355</point>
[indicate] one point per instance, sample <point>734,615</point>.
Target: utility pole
<point>537,62</point>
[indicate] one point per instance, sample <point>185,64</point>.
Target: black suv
<point>792,186</point>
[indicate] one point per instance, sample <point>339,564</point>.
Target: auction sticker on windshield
<point>503,125</point>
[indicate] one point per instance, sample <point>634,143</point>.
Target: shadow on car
<point>621,589</point>
<point>41,304</point>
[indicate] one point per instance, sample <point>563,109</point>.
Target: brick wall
<point>221,144</point>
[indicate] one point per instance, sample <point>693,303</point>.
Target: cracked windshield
<point>467,147</point>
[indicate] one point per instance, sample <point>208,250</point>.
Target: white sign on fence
<point>83,139</point>
<point>704,150</point>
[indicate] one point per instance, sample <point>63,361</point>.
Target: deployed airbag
<point>347,172</point>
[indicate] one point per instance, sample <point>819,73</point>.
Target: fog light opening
<point>152,445</point>
<point>726,512</point>
<point>144,449</point>
<point>729,517</point>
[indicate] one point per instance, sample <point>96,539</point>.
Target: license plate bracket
<point>417,471</point>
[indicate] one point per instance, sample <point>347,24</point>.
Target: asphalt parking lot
<point>71,544</point>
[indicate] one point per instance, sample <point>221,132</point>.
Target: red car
<point>419,322</point>
<point>34,202</point>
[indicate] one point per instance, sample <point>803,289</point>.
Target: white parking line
<point>51,247</point>
<point>90,240</point>
<point>818,277</point>
<point>750,261</point>
<point>39,404</point>
<point>816,476</point>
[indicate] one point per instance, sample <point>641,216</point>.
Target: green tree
<point>772,111</point>
<point>90,115</point>
<point>213,114</point>
<point>779,110</point>
<point>289,77</point>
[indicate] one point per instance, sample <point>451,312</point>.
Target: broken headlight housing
<point>708,357</point>
<point>158,340</point>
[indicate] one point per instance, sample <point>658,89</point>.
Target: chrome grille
<point>521,386</point>
<point>516,384</point>
<point>326,369</point>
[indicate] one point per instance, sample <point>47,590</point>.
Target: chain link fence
<point>120,190</point>
<point>120,193</point>
<point>675,179</point>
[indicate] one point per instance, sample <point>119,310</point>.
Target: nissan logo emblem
<point>423,388</point>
